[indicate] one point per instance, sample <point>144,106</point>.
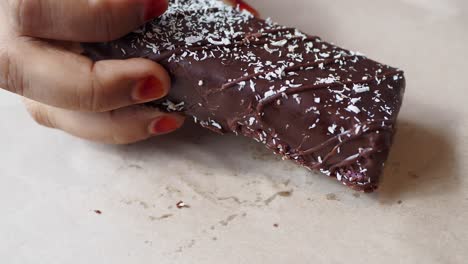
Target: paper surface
<point>246,205</point>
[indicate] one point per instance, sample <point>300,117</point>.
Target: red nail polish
<point>164,125</point>
<point>244,6</point>
<point>149,89</point>
<point>155,8</point>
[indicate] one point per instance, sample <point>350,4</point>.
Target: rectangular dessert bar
<point>324,107</point>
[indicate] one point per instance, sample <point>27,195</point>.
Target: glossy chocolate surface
<point>326,108</point>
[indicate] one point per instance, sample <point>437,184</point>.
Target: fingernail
<point>155,8</point>
<point>244,6</point>
<point>149,89</point>
<point>164,125</point>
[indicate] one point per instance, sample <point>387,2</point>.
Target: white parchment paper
<point>246,205</point>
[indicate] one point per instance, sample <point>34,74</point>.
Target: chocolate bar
<point>324,107</point>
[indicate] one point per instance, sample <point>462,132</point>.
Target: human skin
<point>101,101</point>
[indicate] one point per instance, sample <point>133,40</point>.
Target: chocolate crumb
<point>400,202</point>
<point>276,225</point>
<point>181,205</point>
<point>98,212</point>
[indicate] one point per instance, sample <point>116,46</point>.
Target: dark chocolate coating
<point>322,106</point>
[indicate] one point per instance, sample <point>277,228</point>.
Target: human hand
<point>98,101</point>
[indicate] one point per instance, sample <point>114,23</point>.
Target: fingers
<point>82,20</point>
<point>67,80</point>
<point>123,126</point>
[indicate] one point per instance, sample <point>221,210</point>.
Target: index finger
<point>82,20</point>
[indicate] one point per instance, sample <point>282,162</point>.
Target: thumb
<point>82,20</point>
